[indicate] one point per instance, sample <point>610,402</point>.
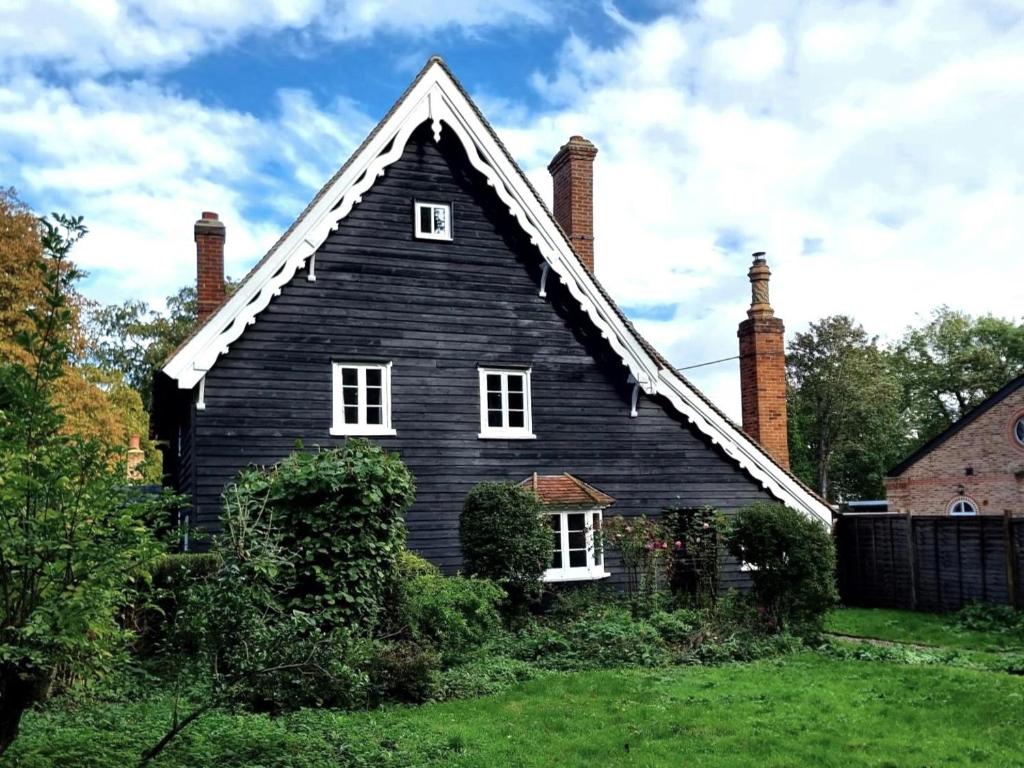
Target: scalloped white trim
<point>438,99</point>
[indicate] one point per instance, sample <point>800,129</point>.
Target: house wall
<point>988,447</point>
<point>437,310</point>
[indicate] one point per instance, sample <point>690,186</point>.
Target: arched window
<point>1018,431</point>
<point>962,506</point>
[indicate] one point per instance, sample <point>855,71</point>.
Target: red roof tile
<point>566,491</point>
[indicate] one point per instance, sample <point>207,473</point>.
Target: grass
<point>805,709</point>
<point>930,629</point>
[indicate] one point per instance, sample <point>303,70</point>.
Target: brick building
<point>974,467</point>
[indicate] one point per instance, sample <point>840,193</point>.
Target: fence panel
<point>929,563</point>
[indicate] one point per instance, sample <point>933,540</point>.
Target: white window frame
<point>962,501</point>
<point>338,425</point>
<point>593,569</point>
<point>419,205</point>
<point>506,432</point>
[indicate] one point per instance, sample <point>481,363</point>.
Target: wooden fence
<point>929,563</point>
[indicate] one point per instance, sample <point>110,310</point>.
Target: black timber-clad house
<point>427,299</point>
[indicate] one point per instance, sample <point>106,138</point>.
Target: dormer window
<point>433,221</point>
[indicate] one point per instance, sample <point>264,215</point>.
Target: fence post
<point>911,561</point>
<point>1011,558</point>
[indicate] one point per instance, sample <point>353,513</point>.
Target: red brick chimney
<point>763,368</point>
<point>209,233</point>
<point>572,174</point>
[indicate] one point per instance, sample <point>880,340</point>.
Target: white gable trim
<point>436,97</point>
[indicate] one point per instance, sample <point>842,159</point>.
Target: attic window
<point>433,221</point>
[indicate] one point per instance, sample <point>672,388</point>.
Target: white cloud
<point>141,164</point>
<point>99,36</point>
<point>882,131</point>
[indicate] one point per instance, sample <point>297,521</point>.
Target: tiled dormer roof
<point>566,491</point>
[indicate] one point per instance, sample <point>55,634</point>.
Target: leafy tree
<point>71,534</point>
<point>93,403</point>
<point>954,362</point>
<point>133,339</point>
<point>846,424</point>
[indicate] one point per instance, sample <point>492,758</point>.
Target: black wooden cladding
<point>929,563</point>
<point>437,310</point>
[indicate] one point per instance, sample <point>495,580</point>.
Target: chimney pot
<point>209,236</point>
<point>572,177</point>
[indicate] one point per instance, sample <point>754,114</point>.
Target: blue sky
<point>870,147</point>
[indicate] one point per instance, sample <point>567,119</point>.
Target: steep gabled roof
<point>956,426</point>
<point>566,491</point>
<point>436,96</point>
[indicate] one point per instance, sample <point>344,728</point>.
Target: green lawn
<point>920,628</point>
<point>803,710</point>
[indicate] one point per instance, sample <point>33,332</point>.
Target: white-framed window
<point>432,221</point>
<point>576,552</point>
<point>1018,431</point>
<point>505,403</point>
<point>362,399</point>
<point>962,507</point>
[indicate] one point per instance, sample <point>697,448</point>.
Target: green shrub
<point>987,617</point>
<point>340,513</point>
<point>411,565</point>
<point>677,628</point>
<point>794,563</point>
<point>484,676</point>
<point>453,614</point>
<point>163,588</point>
<point>505,537</point>
<point>405,671</point>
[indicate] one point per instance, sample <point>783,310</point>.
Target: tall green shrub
<point>505,537</point>
<point>340,513</point>
<point>71,535</point>
<point>793,563</point>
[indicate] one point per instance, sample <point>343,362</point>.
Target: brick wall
<point>987,447</point>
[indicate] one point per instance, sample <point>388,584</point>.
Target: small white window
<point>1018,431</point>
<point>576,553</point>
<point>433,221</point>
<point>962,507</point>
<point>505,404</point>
<point>362,399</point>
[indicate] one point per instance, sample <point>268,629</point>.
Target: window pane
<point>577,521</point>
<point>515,382</point>
<point>493,382</point>
<point>494,400</point>
<point>425,218</point>
<point>374,415</point>
<point>577,540</point>
<point>556,559</point>
<point>373,395</point>
<point>350,395</point>
<point>515,401</point>
<point>373,377</point>
<point>494,419</point>
<point>578,558</point>
<point>440,220</point>
<point>516,419</point>
<point>351,414</point>
<point>596,528</point>
<point>556,541</point>
<point>349,377</point>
